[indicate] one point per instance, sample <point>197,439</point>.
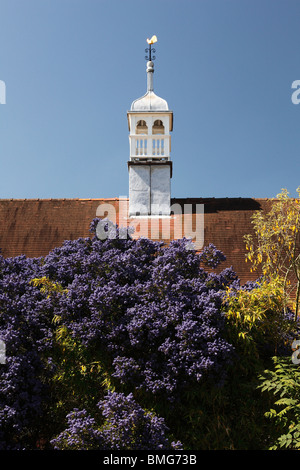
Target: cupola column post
<point>150,72</point>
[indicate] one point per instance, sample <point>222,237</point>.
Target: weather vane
<point>149,50</point>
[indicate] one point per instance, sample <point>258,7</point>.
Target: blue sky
<point>73,67</point>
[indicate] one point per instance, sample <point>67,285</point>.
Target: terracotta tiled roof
<point>35,226</point>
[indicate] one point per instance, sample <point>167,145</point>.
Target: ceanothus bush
<point>152,310</point>
<point>127,426</point>
<point>26,331</point>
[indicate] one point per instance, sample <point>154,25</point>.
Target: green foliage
<point>78,376</point>
<point>81,376</point>
<point>225,418</point>
<point>256,319</point>
<point>274,248</point>
<point>47,286</point>
<point>258,328</point>
<point>283,384</point>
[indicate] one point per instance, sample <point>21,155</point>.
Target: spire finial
<point>150,65</point>
<point>149,50</point>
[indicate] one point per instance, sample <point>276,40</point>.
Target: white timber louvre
<point>149,190</point>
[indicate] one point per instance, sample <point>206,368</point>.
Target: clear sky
<point>73,67</point>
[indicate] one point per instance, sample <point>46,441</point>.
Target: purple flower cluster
<point>25,328</point>
<point>127,426</point>
<point>150,309</point>
<point>82,433</point>
<point>211,256</point>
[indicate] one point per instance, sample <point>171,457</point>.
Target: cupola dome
<point>150,101</point>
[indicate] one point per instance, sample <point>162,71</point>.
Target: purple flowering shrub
<point>143,316</point>
<point>26,331</point>
<point>127,426</point>
<point>152,309</point>
<point>81,434</point>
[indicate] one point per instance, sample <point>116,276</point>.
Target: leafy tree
<point>275,247</point>
<point>258,328</point>
<point>257,323</point>
<point>283,384</point>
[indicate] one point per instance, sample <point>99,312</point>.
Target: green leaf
<point>286,401</point>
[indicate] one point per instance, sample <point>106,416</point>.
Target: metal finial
<point>149,49</point>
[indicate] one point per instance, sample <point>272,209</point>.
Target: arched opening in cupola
<point>141,127</point>
<point>158,127</point>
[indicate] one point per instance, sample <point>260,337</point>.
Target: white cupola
<point>150,168</point>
